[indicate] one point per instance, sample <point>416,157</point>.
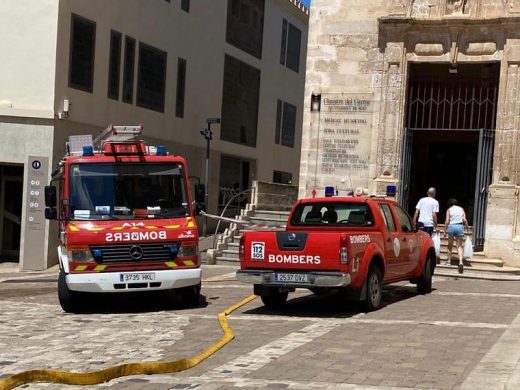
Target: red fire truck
<point>126,219</point>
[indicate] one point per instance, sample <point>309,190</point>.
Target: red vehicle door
<point>409,249</point>
<point>390,236</point>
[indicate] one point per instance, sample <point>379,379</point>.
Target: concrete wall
<point>199,37</point>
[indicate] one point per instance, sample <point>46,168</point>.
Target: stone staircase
<point>272,220</point>
<point>478,267</point>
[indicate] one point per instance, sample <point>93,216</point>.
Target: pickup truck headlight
<point>79,253</point>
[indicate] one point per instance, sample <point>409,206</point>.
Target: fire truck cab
<point>126,219</point>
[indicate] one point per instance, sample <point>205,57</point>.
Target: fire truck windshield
<point>127,191</point>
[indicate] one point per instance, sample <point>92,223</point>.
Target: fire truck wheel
<point>374,289</point>
<point>424,284</point>
<point>69,300</point>
<point>275,299</point>
<point>191,295</point>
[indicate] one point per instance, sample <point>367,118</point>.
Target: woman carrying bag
<point>454,227</point>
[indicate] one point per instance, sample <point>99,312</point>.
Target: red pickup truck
<point>356,244</point>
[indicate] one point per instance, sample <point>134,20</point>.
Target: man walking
<point>426,210</point>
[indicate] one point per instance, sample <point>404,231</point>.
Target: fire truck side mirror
<point>200,193</point>
<point>51,213</point>
<point>199,207</point>
<point>50,196</point>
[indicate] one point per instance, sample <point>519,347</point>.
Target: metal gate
<point>462,98</point>
<point>483,180</point>
<point>406,167</point>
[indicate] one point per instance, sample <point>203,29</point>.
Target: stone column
<point>502,232</point>
<point>389,130</point>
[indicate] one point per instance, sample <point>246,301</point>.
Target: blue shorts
<point>456,230</point>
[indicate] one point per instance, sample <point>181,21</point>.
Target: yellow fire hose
<point>147,368</point>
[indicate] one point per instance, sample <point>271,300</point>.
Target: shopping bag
<point>468,248</point>
<point>437,243</point>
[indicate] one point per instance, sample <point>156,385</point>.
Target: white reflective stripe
<point>63,259</point>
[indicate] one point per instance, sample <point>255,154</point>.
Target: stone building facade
<point>407,94</point>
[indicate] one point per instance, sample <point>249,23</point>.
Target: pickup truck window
<point>387,217</point>
<point>332,214</point>
<point>404,220</point>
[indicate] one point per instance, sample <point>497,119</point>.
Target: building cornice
<point>399,22</point>
<point>302,7</point>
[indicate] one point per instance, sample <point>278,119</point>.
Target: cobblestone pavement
<point>466,335</point>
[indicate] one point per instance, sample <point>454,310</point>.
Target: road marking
<point>491,295</point>
<point>259,357</point>
<point>499,364</point>
<point>210,383</point>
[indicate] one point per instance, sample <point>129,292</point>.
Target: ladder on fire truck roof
<point>118,134</point>
<point>112,133</point>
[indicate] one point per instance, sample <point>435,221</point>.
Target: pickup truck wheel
<point>191,295</point>
<point>424,285</point>
<point>275,299</point>
<point>69,300</point>
<point>374,289</point>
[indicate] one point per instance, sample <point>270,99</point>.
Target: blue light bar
<point>88,151</point>
<point>161,150</point>
<point>330,191</point>
<point>97,253</point>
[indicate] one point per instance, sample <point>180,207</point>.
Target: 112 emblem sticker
<point>257,250</point>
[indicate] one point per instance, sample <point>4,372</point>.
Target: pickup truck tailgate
<point>291,250</point>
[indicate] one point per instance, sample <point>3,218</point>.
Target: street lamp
<point>208,135</point>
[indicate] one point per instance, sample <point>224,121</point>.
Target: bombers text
<point>294,259</point>
<point>136,236</point>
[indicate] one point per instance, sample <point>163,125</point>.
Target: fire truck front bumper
<point>133,281</point>
<point>291,279</point>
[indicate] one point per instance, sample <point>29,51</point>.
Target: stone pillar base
<point>501,240</point>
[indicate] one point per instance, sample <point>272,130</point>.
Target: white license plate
<point>292,278</point>
<point>137,277</point>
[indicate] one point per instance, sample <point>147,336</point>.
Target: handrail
<point>223,211</point>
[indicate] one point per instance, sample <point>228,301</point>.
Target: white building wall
<point>28,46</point>
<point>27,77</point>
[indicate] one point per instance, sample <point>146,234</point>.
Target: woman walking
<point>454,227</point>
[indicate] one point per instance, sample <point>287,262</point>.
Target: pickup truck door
<point>390,236</point>
<point>410,252</point>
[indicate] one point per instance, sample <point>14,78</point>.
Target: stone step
<point>230,253</point>
<point>271,214</point>
<point>469,274</point>
<point>222,260</point>
<point>484,260</point>
<point>268,221</point>
<point>234,244</point>
<point>505,270</point>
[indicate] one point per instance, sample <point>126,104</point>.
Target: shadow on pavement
<point>136,302</point>
<point>333,304</point>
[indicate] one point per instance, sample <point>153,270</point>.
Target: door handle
<point>404,239</point>
<point>388,240</point>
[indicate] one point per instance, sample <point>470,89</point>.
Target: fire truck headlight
<point>79,254</point>
<point>187,249</point>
